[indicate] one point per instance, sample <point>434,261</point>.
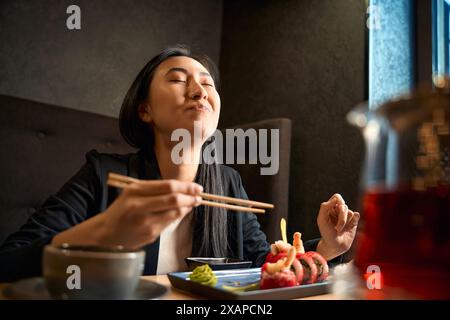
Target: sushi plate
<point>243,284</point>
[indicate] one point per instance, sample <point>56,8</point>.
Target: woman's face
<point>182,91</point>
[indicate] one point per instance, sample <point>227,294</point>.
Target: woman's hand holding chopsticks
<point>236,204</point>
<point>144,208</point>
<point>138,216</point>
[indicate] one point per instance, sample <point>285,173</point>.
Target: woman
<point>161,213</point>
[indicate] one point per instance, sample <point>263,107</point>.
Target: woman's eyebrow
<point>178,69</point>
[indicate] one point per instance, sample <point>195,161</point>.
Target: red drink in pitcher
<point>407,235</point>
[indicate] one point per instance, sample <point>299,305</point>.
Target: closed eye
<point>180,81</point>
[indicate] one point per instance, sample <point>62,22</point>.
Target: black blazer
<point>86,194</point>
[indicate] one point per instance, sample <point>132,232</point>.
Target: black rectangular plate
<point>180,280</point>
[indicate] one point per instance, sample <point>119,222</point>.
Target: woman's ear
<point>144,113</point>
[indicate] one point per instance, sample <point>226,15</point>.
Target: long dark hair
<point>210,223</point>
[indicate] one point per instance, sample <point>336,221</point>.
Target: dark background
<point>304,60</point>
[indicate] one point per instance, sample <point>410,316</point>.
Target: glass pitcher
<point>405,196</point>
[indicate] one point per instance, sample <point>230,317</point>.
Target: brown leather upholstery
<point>42,146</point>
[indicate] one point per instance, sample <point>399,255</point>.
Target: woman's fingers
<point>356,218</point>
<point>337,212</point>
<point>337,199</point>
<point>342,211</point>
<point>353,221</point>
<point>161,187</point>
<point>350,215</point>
<point>344,218</point>
<point>145,208</point>
<point>162,202</point>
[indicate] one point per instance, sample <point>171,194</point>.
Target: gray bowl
<point>91,272</point>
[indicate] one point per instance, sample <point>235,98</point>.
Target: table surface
<point>175,294</point>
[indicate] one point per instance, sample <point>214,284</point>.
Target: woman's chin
<point>202,121</point>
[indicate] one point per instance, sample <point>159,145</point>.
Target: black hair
<point>211,221</point>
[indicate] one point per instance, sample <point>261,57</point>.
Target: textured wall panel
<point>92,68</point>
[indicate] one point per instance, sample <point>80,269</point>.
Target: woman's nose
<point>196,91</point>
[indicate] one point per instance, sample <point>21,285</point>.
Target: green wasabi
<point>204,275</point>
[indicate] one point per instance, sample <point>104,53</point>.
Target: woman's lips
<point>200,108</point>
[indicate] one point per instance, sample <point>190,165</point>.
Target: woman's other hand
<point>337,225</point>
<point>138,216</point>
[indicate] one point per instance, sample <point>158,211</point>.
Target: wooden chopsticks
<point>120,181</point>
